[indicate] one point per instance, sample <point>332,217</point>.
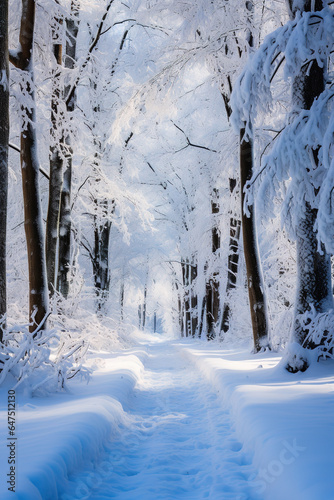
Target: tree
<point>300,156</point>
<point>99,253</point>
<point>103,206</point>
<point>233,262</point>
<point>64,245</point>
<point>4,139</point>
<point>23,60</point>
<point>224,42</point>
<point>257,303</point>
<point>255,285</point>
<point>212,297</point>
<point>56,162</point>
<point>314,265</point>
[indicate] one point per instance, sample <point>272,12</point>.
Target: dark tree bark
<point>101,255</point>
<point>102,225</point>
<point>235,225</point>
<point>154,322</point>
<point>179,304</point>
<point>313,277</point>
<point>255,286</point>
<point>314,287</point>
<point>38,296</point>
<point>139,317</point>
<point>212,307</point>
<point>212,285</point>
<point>232,263</point>
<point>186,300</point>
<point>101,233</point>
<point>144,309</point>
<point>55,180</point>
<point>194,300</point>
<point>121,300</point>
<point>4,138</point>
<point>201,320</point>
<point>257,303</point>
<point>183,329</point>
<point>64,253</point>
<point>102,228</point>
<point>190,300</point>
<point>64,245</point>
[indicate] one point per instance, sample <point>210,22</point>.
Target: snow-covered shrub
<point>43,361</point>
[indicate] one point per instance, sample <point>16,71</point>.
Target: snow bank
<point>57,436</point>
<point>284,421</point>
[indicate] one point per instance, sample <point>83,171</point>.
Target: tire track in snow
<point>180,444</point>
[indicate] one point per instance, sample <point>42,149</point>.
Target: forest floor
<point>169,420</point>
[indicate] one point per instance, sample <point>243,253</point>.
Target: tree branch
<point>190,143</point>
<point>16,148</point>
<point>15,58</point>
<point>90,50</point>
<point>277,68</point>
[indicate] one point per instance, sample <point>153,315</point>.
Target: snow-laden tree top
<point>301,42</point>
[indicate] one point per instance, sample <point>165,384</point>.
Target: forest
<point>166,241</point>
<point>167,166</point>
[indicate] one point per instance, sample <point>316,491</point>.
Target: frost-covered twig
<point>40,360</point>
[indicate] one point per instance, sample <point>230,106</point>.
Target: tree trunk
<point>212,286</point>
<point>186,297</point>
<point>64,252</point>
<point>179,305</point>
<point>4,138</point>
<point>194,300</point>
<point>183,329</point>
<point>121,299</point>
<point>38,296</point>
<point>142,311</point>
<point>55,182</point>
<point>201,322</point>
<point>314,286</point>
<point>257,303</point>
<point>38,301</point>
<point>139,317</point>
<point>190,300</point>
<point>101,256</point>
<point>212,306</point>
<point>255,287</point>
<point>144,308</point>
<point>232,264</point>
<point>64,245</point>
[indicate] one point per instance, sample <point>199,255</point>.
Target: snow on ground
<point>171,420</point>
<point>284,421</point>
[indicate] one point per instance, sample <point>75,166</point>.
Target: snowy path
<point>179,443</point>
<point>153,424</point>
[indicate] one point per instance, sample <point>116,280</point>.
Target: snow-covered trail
<point>179,443</point>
